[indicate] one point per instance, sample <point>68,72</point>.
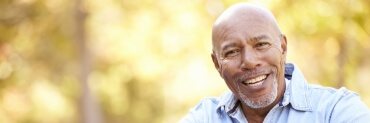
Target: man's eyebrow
<point>253,39</point>
<point>258,38</point>
<point>228,45</point>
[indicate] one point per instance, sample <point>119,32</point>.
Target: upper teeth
<point>255,79</point>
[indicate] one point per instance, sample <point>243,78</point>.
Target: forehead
<point>242,30</point>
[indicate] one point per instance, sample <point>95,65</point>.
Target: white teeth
<point>255,84</point>
<point>256,79</point>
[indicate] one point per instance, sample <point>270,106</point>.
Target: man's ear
<point>284,44</point>
<point>215,62</point>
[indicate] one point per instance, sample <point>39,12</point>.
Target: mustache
<point>243,76</point>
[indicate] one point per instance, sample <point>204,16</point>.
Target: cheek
<point>275,56</point>
<point>277,59</point>
<point>228,68</point>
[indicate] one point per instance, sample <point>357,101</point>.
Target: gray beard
<point>262,101</point>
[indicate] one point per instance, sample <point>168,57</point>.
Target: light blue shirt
<point>301,103</point>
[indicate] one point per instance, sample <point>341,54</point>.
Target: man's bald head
<point>243,14</point>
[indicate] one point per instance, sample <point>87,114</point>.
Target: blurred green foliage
<point>150,59</point>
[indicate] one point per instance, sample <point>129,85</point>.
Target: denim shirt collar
<point>228,103</point>
<point>296,93</point>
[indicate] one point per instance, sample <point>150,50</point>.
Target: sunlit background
<point>148,61</point>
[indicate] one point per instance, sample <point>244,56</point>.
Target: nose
<point>249,60</point>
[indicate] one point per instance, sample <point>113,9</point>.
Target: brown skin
<point>247,43</point>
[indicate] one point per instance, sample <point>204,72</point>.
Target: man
<point>249,52</point>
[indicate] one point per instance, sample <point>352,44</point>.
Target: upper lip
<point>250,74</point>
<point>254,76</point>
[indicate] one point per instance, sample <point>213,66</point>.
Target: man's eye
<point>262,45</point>
<point>232,53</point>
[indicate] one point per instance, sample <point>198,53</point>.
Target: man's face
<point>250,58</point>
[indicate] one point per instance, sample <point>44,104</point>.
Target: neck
<point>256,115</point>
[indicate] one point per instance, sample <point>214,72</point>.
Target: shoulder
<point>204,109</point>
<point>207,103</point>
<point>328,96</point>
<point>330,92</point>
<point>341,105</point>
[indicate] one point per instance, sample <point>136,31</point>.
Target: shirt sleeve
<point>350,109</point>
<point>195,114</point>
<point>191,117</point>
<point>204,112</point>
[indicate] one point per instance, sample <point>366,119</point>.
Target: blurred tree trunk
<point>341,62</point>
<point>89,109</point>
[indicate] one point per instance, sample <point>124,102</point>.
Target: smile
<point>256,81</point>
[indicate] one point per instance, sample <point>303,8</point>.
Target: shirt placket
<point>238,116</point>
